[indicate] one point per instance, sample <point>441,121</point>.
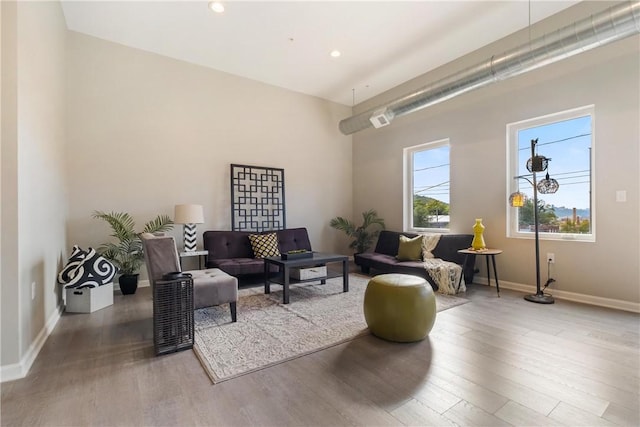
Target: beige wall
<point>35,197</point>
<point>147,132</point>
<point>608,77</point>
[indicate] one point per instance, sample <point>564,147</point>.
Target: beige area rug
<point>268,332</point>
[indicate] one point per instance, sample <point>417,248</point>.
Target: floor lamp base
<point>540,298</point>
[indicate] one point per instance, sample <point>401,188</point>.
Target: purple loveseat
<point>383,258</point>
<point>231,252</point>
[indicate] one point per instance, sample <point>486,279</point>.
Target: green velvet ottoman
<point>399,307</point>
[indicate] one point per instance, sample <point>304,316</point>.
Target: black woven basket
<point>173,315</point>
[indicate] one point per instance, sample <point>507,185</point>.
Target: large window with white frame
<point>426,186</point>
<point>566,139</point>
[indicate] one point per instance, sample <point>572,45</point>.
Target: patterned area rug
<point>268,332</point>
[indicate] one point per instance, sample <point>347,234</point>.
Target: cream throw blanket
<point>446,274</point>
<point>429,243</point>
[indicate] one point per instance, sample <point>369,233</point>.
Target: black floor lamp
<point>546,186</point>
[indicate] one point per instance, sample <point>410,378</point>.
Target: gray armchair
<point>210,287</point>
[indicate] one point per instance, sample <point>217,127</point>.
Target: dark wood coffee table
<point>315,260</point>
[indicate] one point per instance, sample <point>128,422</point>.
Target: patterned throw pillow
<point>264,245</point>
<point>86,270</point>
<point>69,270</point>
<point>409,249</point>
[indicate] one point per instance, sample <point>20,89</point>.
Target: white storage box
<point>309,273</point>
<point>88,300</point>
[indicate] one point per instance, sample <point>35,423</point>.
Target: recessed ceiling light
<point>335,53</point>
<point>216,6</point>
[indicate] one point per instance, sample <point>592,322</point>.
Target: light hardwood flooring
<point>491,362</point>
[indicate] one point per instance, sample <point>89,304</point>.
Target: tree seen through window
<point>430,193</point>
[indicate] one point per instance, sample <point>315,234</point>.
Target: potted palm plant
<point>363,238</point>
<point>127,253</point>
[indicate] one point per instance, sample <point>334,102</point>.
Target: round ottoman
<point>399,307</point>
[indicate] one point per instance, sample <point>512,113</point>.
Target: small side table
<point>486,253</point>
<point>202,257</point>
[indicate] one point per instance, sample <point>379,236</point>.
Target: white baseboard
<point>20,370</point>
<point>11,372</point>
<point>569,296</point>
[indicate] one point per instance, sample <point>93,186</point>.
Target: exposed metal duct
<point>608,26</point>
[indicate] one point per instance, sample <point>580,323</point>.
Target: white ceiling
<point>287,44</point>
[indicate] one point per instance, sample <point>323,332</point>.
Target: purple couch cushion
<point>236,266</point>
<point>227,244</point>
<point>292,239</point>
<point>231,252</point>
<point>446,249</point>
<point>390,264</point>
<point>384,256</point>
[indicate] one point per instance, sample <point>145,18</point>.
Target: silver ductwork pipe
<point>608,26</point>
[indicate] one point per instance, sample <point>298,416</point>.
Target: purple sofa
<point>383,258</point>
<point>231,252</point>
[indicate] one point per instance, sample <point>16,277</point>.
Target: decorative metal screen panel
<point>257,198</point>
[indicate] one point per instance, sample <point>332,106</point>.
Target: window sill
<point>557,237</point>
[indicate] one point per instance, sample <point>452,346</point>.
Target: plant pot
<point>128,284</point>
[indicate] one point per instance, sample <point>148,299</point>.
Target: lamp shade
<point>537,163</point>
<point>188,214</point>
<point>517,199</point>
<point>548,185</point>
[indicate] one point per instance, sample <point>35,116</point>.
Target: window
<point>426,186</point>
<point>566,139</point>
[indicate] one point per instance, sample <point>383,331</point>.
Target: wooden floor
<point>491,362</point>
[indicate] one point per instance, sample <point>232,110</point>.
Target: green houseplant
<point>363,238</point>
<point>127,253</point>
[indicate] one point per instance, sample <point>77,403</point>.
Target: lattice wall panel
<point>257,198</point>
